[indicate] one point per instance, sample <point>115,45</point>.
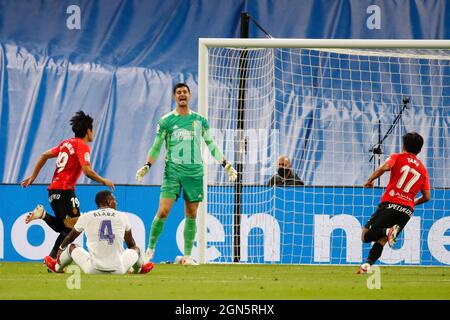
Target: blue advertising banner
<point>303,225</point>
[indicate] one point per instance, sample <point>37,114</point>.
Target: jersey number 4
<point>405,170</point>
<point>106,232</point>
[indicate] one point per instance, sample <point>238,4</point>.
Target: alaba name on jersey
<point>408,177</point>
<point>71,155</point>
<point>105,230</point>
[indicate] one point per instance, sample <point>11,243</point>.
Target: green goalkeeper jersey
<point>183,135</point>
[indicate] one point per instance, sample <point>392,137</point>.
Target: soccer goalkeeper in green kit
<point>182,131</point>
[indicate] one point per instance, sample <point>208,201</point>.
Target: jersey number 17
<point>405,170</point>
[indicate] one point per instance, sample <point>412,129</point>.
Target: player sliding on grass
<point>73,156</point>
<point>105,229</point>
<point>408,177</point>
<point>182,131</point>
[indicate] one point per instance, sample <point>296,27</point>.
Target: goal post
<point>325,105</point>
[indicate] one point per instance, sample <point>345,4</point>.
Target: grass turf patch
<point>225,282</point>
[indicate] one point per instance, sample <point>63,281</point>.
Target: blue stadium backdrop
<point>118,60</point>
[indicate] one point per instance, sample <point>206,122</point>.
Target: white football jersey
<point>105,230</point>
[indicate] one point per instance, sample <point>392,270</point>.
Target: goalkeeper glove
<point>232,173</point>
<point>143,171</point>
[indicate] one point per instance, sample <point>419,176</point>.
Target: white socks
<point>64,259</point>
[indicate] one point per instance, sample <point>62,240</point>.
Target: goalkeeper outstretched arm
<point>152,155</point>
<point>218,155</point>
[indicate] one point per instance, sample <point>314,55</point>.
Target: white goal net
<point>326,109</point>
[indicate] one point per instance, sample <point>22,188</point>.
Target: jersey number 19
<point>61,161</point>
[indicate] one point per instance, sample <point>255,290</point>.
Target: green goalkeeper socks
<point>190,228</point>
<point>155,231</point>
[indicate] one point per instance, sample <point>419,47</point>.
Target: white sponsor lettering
<point>414,161</point>
<point>437,240</point>
<point>323,228</point>
<point>403,197</point>
<point>268,224</point>
<point>271,233</point>
<point>324,225</point>
<point>54,196</point>
<point>400,209</point>
<point>69,147</point>
<point>183,134</point>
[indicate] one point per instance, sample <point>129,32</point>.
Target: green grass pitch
<point>228,282</point>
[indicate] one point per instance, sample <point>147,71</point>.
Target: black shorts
<point>389,214</point>
<point>64,203</point>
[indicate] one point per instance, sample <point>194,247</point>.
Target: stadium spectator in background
<point>105,229</point>
<point>285,176</point>
<point>73,156</point>
<point>408,176</point>
<point>181,130</point>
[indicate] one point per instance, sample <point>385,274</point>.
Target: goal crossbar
<point>324,43</point>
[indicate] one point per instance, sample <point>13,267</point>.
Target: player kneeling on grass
<point>408,177</point>
<point>106,229</point>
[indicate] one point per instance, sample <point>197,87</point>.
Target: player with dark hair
<point>105,229</point>
<point>408,177</point>
<point>73,156</point>
<point>182,130</point>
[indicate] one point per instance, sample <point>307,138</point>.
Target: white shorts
<point>82,258</point>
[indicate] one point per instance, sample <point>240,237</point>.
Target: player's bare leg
<point>69,222</point>
<point>165,205</point>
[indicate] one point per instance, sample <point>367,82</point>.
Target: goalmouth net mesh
<point>326,110</point>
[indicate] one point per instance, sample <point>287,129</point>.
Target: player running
<point>408,177</point>
<point>105,229</point>
<point>73,156</point>
<point>182,131</point>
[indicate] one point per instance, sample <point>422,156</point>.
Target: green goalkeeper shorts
<point>173,184</point>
